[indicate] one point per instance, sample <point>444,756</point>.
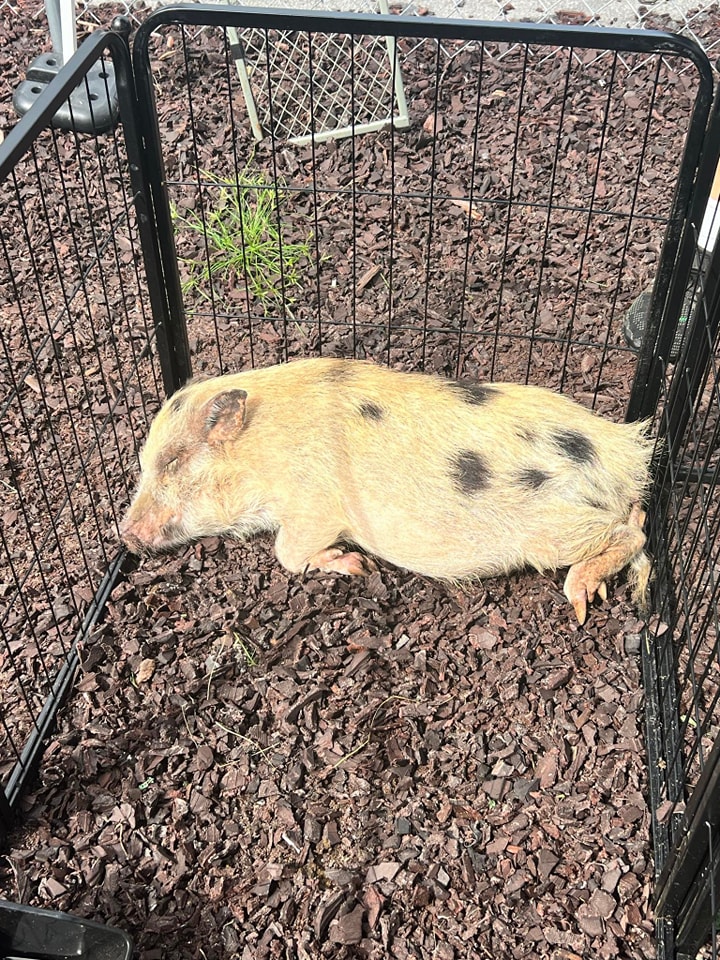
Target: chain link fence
<point>699,21</point>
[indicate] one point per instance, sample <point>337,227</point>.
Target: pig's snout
<point>151,528</point>
<point>131,540</point>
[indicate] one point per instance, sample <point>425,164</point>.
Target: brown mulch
<point>260,766</point>
<point>256,765</point>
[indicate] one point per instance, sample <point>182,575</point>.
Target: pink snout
<point>149,527</point>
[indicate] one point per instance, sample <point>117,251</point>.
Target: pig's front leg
<point>298,553</point>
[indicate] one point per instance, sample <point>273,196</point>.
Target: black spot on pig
<point>470,472</point>
<point>475,393</point>
<point>340,372</point>
<point>575,446</point>
<point>532,478</point>
<point>371,411</point>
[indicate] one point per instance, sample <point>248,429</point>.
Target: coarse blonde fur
<point>445,479</point>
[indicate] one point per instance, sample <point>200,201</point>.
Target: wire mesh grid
<point>381,68</point>
<point>506,151</point>
<point>503,322</point>
<point>693,544</point>
<point>504,293</point>
<point>699,21</point>
<point>72,392</point>
<point>693,554</point>
<point>682,655</point>
<point>378,75</point>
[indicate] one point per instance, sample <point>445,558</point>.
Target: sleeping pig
<point>449,479</point>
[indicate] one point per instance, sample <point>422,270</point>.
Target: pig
<point>345,460</point>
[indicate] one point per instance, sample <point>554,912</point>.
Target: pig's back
<point>453,480</point>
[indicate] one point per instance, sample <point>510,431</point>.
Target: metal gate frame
<point>687,853</point>
<point>54,98</point>
<point>688,205</point>
<point>684,855</point>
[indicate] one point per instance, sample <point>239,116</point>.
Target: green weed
<point>240,241</point>
<point>246,649</point>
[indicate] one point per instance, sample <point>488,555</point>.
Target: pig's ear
<point>224,416</point>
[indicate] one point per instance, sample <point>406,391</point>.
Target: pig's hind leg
<point>309,551</point>
<point>587,578</point>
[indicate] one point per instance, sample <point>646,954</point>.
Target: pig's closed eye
<point>170,466</point>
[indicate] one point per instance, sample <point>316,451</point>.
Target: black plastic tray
<point>27,933</point>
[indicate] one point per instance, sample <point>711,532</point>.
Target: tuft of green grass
<point>242,650</point>
<point>241,242</point>
<point>246,649</point>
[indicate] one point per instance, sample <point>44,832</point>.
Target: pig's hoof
<point>335,560</point>
<point>580,589</point>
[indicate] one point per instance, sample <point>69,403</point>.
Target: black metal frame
<point>685,899</point>
<point>684,842</point>
<point>686,837</point>
<point>16,145</point>
<point>675,259</point>
<point>18,142</point>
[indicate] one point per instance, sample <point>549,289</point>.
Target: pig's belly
<point>451,545</point>
<point>455,545</point>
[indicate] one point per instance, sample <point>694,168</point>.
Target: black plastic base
<point>91,108</point>
<point>635,322</point>
<point>27,933</point>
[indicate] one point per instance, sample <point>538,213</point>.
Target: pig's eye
<point>170,466</point>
